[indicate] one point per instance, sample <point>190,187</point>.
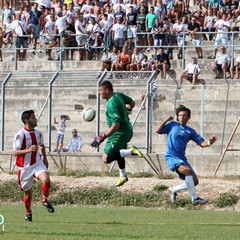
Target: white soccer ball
<point>88,114</point>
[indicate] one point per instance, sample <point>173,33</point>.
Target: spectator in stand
<point>123,60</point>
<point>150,21</point>
<point>146,65</point>
<point>159,9</point>
<point>110,63</point>
<point>136,59</point>
<point>144,5</point>
<point>158,34</point>
<point>87,6</point>
<point>75,142</point>
<point>191,73</point>
<point>119,31</point>
<point>60,27</point>
<point>131,22</point>
<point>222,63</point>
<point>180,6</point>
<point>119,14</point>
<point>81,35</point>
<point>162,63</point>
<point>7,12</point>
<point>179,28</point>
<point>7,33</point>
<point>141,18</point>
<point>1,43</point>
<point>171,39</point>
<point>19,31</point>
<point>223,27</point>
<point>93,30</point>
<point>173,14</point>
<point>105,28</point>
<point>233,6</point>
<point>186,13</point>
<point>194,30</point>
<point>236,68</point>
<point>116,5</point>
<point>209,23</point>
<point>50,35</point>
<point>131,3</point>
<point>34,25</point>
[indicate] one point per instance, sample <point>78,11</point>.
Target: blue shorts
<point>174,161</point>
<point>60,138</point>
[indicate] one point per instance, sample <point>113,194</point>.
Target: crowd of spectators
<point>85,28</point>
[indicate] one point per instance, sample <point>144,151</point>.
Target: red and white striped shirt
<point>25,139</point>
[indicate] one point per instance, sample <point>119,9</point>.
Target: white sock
<point>125,152</point>
<point>179,187</point>
<point>122,172</point>
<point>190,183</point>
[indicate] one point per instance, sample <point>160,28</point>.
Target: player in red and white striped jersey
<point>31,159</point>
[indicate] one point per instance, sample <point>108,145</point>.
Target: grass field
<point>88,223</point>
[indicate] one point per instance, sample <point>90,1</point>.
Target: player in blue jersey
<point>120,129</point>
<point>179,134</point>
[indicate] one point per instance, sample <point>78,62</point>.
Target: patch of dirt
<point>210,188</point>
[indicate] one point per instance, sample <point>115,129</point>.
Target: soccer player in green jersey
<point>120,130</point>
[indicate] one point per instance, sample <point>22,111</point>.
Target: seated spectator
<point>123,60</point>
<point>75,142</point>
<point>136,59</point>
<point>8,38</point>
<point>162,63</point>
<point>110,63</point>
<point>222,63</point>
<point>236,68</point>
<point>191,73</point>
<point>146,65</point>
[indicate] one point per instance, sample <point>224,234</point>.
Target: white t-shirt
<point>16,26</point>
<point>79,25</point>
<point>193,68</point>
<point>45,3</point>
<point>222,30</point>
<point>61,24</point>
<point>50,27</point>
<point>119,30</point>
<point>210,21</point>
<point>93,28</point>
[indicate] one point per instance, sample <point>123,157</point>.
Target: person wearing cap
<point>191,73</point>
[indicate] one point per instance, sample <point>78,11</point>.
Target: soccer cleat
<point>173,195</point>
<point>121,181</point>
<point>48,206</point>
<point>28,217</point>
<point>136,152</point>
<point>199,201</point>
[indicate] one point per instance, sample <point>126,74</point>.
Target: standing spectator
<point>119,34</point>
<point>50,36</point>
<point>141,19</point>
<point>144,5</point>
<point>33,25</point>
<point>131,23</point>
<point>191,73</point>
<point>194,30</point>
<point>150,21</point>
<point>75,143</point>
<point>81,35</point>
<point>31,160</point>
<point>19,31</point>
<point>178,135</point>
<point>169,37</point>
<point>61,132</point>
<point>209,23</point>
<point>119,13</point>
<point>7,12</point>
<point>1,43</point>
<point>222,63</point>
<point>158,33</point>
<point>105,29</point>
<point>162,63</point>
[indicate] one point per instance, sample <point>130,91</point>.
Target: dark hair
<point>183,108</point>
<point>106,84</point>
<point>26,115</point>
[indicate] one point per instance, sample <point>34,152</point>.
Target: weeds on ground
<point>226,200</point>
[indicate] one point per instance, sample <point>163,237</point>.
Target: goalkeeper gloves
<point>98,140</point>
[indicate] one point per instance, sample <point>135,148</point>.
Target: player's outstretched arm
<point>170,118</point>
<point>208,143</point>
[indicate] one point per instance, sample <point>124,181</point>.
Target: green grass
<point>94,223</point>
